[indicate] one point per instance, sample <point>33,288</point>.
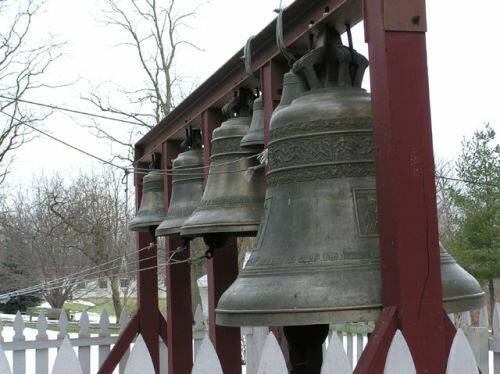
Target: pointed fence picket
<point>19,356</point>
<point>104,349</point>
<point>262,354</point>
<point>494,343</point>
<point>207,361</point>
<point>66,359</point>
<point>42,354</point>
<point>199,330</point>
<point>19,346</point>
<point>140,361</point>
<point>337,361</point>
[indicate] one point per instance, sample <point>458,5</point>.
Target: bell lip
<point>142,227</point>
<point>234,230</point>
<point>253,141</point>
<point>292,317</point>
<point>464,303</point>
<point>327,315</point>
<point>165,231</point>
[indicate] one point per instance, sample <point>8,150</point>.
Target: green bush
<point>20,303</point>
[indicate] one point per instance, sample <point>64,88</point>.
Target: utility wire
<point>76,275</point>
<point>169,171</point>
<point>70,110</point>
<point>64,143</point>
<point>468,181</point>
<point>74,279</point>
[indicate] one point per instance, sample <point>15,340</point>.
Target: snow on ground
<point>84,302</point>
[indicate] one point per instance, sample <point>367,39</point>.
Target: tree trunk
<point>115,296</point>
<point>56,298</point>
<point>491,290</point>
<point>198,269</point>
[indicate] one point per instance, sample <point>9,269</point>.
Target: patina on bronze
<point>187,185</point>
<point>316,259</point>
<point>152,208</point>
<point>232,203</point>
<point>255,135</point>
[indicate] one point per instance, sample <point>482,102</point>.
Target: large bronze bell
<point>317,259</point>
<point>152,208</point>
<point>255,135</point>
<point>187,185</point>
<point>233,199</point>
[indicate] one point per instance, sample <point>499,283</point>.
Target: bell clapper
<point>305,346</point>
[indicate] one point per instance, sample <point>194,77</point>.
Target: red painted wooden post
<point>222,270</point>
<point>409,250</point>
<point>147,287</point>
<point>271,82</point>
<point>178,279</point>
<point>146,320</point>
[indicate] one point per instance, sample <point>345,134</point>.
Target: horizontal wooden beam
<point>298,20</point>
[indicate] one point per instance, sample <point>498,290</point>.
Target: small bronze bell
<point>187,185</point>
<point>293,86</point>
<point>255,135</point>
<point>317,258</point>
<point>152,208</point>
<point>232,202</point>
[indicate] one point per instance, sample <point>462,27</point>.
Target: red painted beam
<point>409,250</point>
<point>297,22</point>
<point>121,346</point>
<point>222,270</point>
<point>271,82</point>
<point>373,358</point>
<point>145,321</point>
<point>178,278</point>
<point>147,287</point>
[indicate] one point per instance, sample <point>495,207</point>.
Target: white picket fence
<point>471,349</point>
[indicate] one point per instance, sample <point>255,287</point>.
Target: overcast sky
<point>463,54</point>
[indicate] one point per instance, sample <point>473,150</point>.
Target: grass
<point>102,303</point>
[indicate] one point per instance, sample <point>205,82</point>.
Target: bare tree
<point>21,69</point>
<point>153,29</point>
<point>445,207</point>
<point>36,249</point>
<point>94,209</point>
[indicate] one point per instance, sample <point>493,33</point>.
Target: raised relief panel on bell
<point>365,203</point>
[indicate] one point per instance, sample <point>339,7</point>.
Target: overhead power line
<point>76,111</point>
<point>169,171</point>
<point>468,181</point>
<point>65,143</point>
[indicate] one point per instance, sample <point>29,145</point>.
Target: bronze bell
<point>317,259</point>
<point>233,199</point>
<point>152,208</point>
<point>255,135</point>
<point>293,86</point>
<point>187,185</point>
